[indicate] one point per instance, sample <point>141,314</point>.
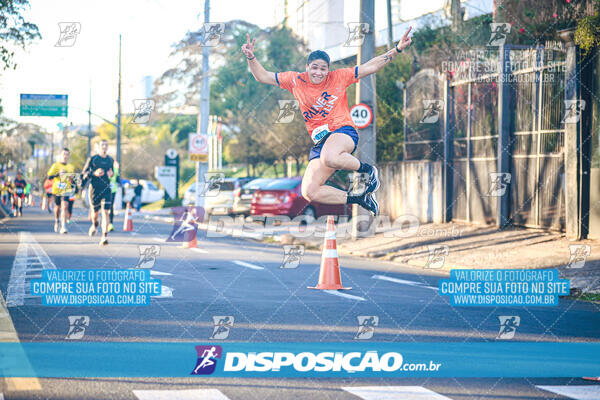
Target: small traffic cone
<point>44,202</point>
<point>330,277</point>
<point>32,201</point>
<point>190,244</point>
<point>127,222</point>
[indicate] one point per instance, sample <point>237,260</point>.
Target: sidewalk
<point>473,247</point>
<point>442,247</point>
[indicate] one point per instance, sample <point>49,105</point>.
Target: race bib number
<point>19,190</point>
<point>61,185</point>
<point>319,133</point>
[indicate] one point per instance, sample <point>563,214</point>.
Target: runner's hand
<point>248,48</point>
<point>109,173</point>
<point>405,41</point>
<point>99,172</point>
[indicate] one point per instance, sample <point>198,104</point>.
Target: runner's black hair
<point>317,55</point>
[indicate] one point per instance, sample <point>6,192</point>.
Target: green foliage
<point>14,31</point>
<point>587,34</point>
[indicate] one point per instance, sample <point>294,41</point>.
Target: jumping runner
<point>19,186</point>
<point>61,173</point>
<point>98,170</point>
<point>321,94</point>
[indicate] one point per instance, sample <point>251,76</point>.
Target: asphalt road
<point>242,278</point>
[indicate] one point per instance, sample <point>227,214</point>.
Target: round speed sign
<point>199,144</point>
<point>362,115</point>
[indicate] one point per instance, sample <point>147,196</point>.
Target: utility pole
<point>390,39</point>
<point>202,127</point>
<point>365,93</point>
<point>89,134</point>
<point>119,111</point>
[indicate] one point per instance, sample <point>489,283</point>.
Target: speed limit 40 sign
<point>362,115</point>
<point>198,147</point>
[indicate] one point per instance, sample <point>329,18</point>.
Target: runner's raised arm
<point>259,73</point>
<point>376,63</point>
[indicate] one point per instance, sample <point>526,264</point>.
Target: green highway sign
<point>44,105</point>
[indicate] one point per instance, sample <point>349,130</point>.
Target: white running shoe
<point>92,230</point>
<point>63,230</point>
<point>55,226</point>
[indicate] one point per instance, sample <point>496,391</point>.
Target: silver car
<point>218,199</point>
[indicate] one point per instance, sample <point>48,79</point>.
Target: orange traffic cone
<point>32,201</point>
<point>127,222</point>
<point>330,277</point>
<point>44,202</point>
<point>190,244</point>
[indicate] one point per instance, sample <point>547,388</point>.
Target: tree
<point>248,108</point>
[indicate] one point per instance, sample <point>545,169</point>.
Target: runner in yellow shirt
<point>63,185</point>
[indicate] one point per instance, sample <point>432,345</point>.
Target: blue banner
<point>327,360</point>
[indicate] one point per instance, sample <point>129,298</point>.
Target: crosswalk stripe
<point>402,281</point>
<point>394,393</point>
<point>188,394</point>
<point>197,250</point>
<point>29,253</point>
<point>154,272</point>
<point>576,392</point>
<point>345,295</point>
<point>247,265</point>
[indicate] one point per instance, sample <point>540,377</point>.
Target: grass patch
<point>595,297</point>
<point>159,205</point>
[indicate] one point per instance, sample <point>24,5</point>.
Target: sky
<point>149,28</point>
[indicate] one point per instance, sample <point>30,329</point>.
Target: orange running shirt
<point>324,106</point>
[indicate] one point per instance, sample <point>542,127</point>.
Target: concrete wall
<point>411,187</point>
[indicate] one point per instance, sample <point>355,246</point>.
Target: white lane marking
<point>189,394</point>
<point>154,272</point>
<point>402,281</point>
<point>247,265</point>
<point>197,250</point>
<point>157,239</point>
<point>345,295</point>
<point>394,392</point>
<point>577,392</point>
<point>29,253</point>
<point>165,292</point>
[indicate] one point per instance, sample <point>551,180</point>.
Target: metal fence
<point>535,183</point>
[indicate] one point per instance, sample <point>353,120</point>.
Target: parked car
<point>242,198</point>
<point>283,197</point>
<point>150,193</point>
<point>218,199</point>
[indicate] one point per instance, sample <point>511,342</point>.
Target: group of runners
<point>100,173</point>
<point>15,193</point>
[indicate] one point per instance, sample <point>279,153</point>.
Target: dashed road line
<point>247,265</point>
<point>345,295</point>
<point>394,392</point>
<point>404,282</point>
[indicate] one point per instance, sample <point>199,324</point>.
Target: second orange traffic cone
<point>330,277</point>
<point>127,222</point>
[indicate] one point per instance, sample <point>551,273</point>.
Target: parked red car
<point>284,197</point>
